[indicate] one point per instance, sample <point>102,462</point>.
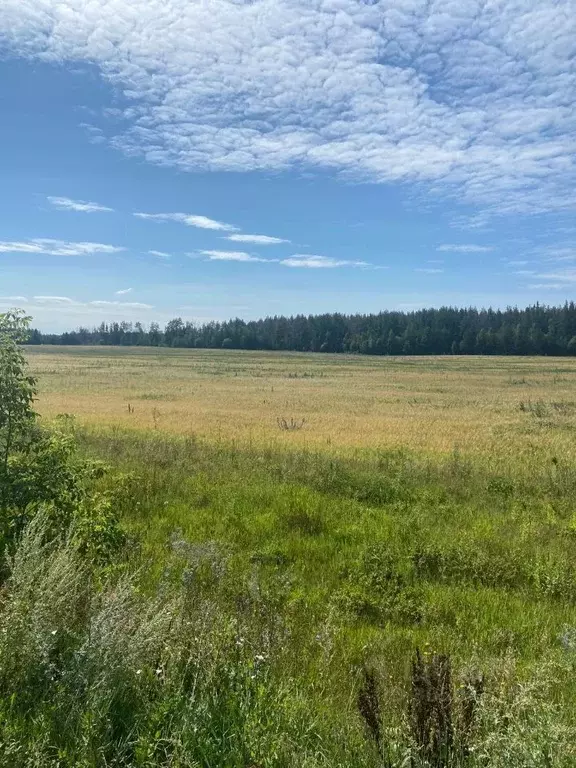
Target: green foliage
<point>382,588</point>
<point>536,330</point>
<point>44,473</point>
<point>96,529</point>
<point>40,468</point>
<point>17,389</point>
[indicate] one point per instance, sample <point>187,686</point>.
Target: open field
<point>476,405</point>
<point>423,504</point>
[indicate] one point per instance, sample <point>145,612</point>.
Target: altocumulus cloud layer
<point>475,98</point>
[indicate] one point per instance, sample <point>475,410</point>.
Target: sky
<point>242,158</point>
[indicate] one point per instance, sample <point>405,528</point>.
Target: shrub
<point>17,389</point>
<point>39,468</point>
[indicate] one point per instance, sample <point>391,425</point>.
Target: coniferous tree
<point>537,330</point>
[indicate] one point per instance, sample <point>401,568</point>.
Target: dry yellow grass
<point>429,404</point>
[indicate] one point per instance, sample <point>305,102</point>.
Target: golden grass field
<point>473,405</point>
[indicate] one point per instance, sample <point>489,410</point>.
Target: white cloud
<point>547,286</point>
<point>231,256</point>
<point>304,261</point>
<point>65,302</point>
<point>53,300</point>
<point>191,220</point>
<point>298,260</point>
<point>94,134</point>
<point>429,270</point>
<point>160,254</point>
<point>561,254</point>
<point>62,313</point>
<point>563,278</point>
<point>566,276</point>
<point>49,247</point>
<point>477,221</point>
<point>67,204</point>
<point>129,304</point>
<point>124,291</point>
<point>474,99</point>
<point>465,248</point>
<point>257,239</point>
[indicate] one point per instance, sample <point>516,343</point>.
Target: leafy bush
<point>40,468</point>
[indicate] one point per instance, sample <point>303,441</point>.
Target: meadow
<point>394,539</point>
<point>434,405</point>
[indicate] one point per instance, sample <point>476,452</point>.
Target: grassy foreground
<point>275,593</point>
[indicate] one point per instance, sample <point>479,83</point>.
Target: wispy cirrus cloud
<point>566,253</point>
<point>160,254</point>
<point>124,291</point>
<point>81,206</point>
<point>474,99</point>
<point>311,261</point>
<point>547,286</point>
<point>257,239</point>
<point>476,221</point>
<point>128,304</point>
<point>232,256</point>
<point>67,302</point>
<point>465,248</point>
<point>49,247</point>
<point>190,220</point>
<point>429,270</point>
<point>53,300</point>
<point>12,299</point>
<point>297,260</point>
<point>559,276</point>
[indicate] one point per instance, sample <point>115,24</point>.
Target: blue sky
<point>217,158</point>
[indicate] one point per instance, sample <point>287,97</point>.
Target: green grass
<point>390,550</point>
<point>461,532</point>
<point>266,582</point>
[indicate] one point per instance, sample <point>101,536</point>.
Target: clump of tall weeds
<point>103,672</point>
<point>467,721</point>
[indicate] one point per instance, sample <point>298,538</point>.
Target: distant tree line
<point>536,330</point>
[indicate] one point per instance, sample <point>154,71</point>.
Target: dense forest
<point>536,330</point>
